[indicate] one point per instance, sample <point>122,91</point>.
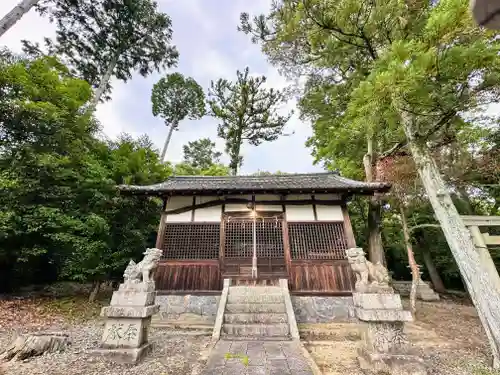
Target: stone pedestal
<point>425,292</point>
<point>125,337</point>
<point>385,346</point>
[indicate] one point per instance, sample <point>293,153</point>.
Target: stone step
<point>264,318</point>
<point>247,308</point>
<point>225,336</point>
<point>262,330</point>
<point>261,298</point>
<point>255,289</point>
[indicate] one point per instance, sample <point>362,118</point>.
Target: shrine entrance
<point>253,245</point>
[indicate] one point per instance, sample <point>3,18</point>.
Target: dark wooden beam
<point>160,236</point>
<point>245,201</point>
<point>315,212</point>
<point>193,207</point>
<point>351,241</point>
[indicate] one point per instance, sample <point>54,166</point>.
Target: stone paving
<point>257,358</point>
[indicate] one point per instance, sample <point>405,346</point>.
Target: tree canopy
<point>175,98</point>
<point>246,111</point>
<point>104,38</point>
<point>201,153</point>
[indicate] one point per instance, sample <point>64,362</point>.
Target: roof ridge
<point>333,173</point>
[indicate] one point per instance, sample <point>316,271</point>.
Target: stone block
<point>376,301</point>
<point>173,306</point>
<point>385,338</point>
<point>137,286</point>
<point>123,355</point>
<point>393,364</point>
<point>242,318</point>
<point>428,296</point>
<point>255,298</point>
<point>322,309</point>
<point>132,298</point>
<point>194,305</point>
<point>251,330</point>
<point>237,308</point>
<point>125,332</point>
<point>381,315</point>
<point>129,311</point>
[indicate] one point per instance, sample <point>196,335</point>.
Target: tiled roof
<point>319,182</point>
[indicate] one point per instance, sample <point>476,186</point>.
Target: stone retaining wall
<point>307,309</point>
<point>188,306</point>
<point>322,309</point>
<point>404,287</point>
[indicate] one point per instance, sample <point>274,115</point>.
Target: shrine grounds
<point>447,334</point>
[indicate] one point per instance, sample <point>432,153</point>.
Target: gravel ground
<point>173,353</point>
<point>447,335</point>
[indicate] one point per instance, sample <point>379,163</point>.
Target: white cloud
<point>210,48</point>
<point>30,27</point>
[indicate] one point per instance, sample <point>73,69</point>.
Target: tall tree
<point>186,169</point>
<point>175,98</point>
<point>103,39</point>
<point>247,111</point>
<point>420,66</point>
<point>43,142</point>
<point>201,153</point>
<point>62,216</point>
<point>15,14</point>
<point>317,38</point>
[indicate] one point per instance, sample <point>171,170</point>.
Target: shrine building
<point>255,230</point>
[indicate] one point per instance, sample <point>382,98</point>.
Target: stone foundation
<point>424,290</point>
<point>311,309</point>
<point>308,309</point>
<point>188,306</point>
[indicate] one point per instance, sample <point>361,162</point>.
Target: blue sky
<point>210,48</point>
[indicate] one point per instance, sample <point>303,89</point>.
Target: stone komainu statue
<point>369,276</point>
<point>145,268</point>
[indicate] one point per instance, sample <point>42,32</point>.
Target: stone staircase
<point>256,313</point>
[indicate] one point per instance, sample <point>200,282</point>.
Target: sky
<point>210,47</point>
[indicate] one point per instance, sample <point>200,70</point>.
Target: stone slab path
<point>257,358</point>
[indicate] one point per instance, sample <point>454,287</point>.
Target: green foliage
<point>93,37</point>
<point>61,213</point>
<point>365,62</point>
<point>201,153</point>
<point>246,111</point>
<point>175,98</point>
<point>185,169</point>
<point>266,173</point>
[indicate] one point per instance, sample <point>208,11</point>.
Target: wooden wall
<point>321,277</point>
<point>188,276</point>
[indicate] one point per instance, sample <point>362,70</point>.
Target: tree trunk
<point>15,15</point>
<point>103,82</point>
<point>479,282</point>
<point>375,251</point>
<point>35,344</point>
<point>415,272</point>
<point>235,155</point>
<point>436,280</point>
<point>465,198</point>
<point>167,142</point>
<point>95,291</point>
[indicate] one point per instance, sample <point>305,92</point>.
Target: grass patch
<point>243,357</point>
<point>76,308</point>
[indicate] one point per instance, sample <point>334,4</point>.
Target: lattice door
<point>238,244</point>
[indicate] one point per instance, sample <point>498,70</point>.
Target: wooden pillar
<point>351,241</point>
<point>160,236</point>
<point>286,239</point>
<point>222,242</point>
<point>484,254</point>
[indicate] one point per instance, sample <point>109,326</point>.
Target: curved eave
<point>160,192</point>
